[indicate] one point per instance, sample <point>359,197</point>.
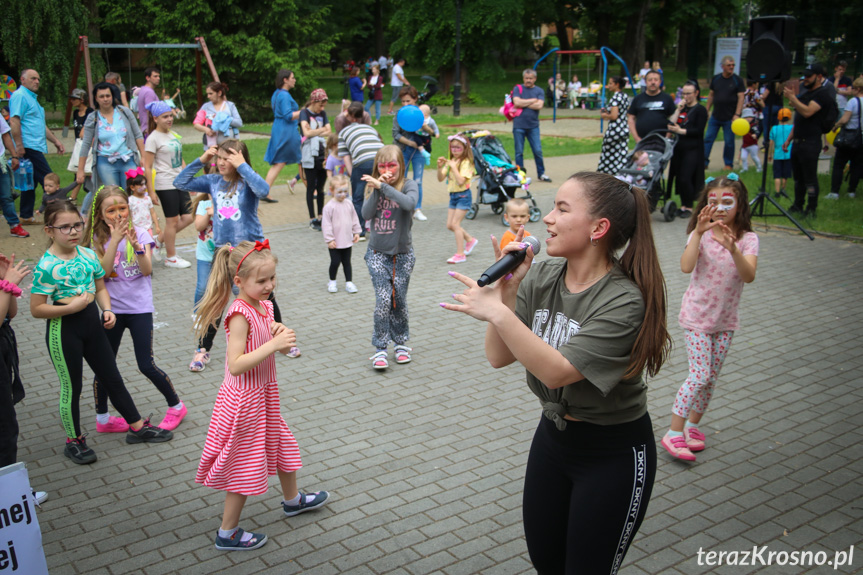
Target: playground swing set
<point>83,52</point>
<point>594,97</point>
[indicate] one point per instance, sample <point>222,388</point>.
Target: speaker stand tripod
<point>756,206</point>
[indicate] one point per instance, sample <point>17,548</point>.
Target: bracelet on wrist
<point>142,252</point>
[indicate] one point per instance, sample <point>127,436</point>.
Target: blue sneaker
<point>235,542</point>
<point>308,502</point>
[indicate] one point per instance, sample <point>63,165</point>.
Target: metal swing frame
<point>83,52</point>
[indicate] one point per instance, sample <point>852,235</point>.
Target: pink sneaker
<point>694,438</point>
<point>457,259</point>
<point>115,425</point>
<point>676,446</point>
<point>172,418</point>
<point>468,247</point>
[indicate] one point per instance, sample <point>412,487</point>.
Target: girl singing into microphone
<point>586,326</point>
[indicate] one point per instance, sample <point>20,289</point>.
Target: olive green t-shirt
<point>595,330</point>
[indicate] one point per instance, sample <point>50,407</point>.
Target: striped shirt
<point>360,142</point>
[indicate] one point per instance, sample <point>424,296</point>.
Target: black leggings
<point>206,342</point>
<point>343,257</point>
<point>72,339</point>
<point>586,491</point>
<point>316,179</point>
<point>140,325</point>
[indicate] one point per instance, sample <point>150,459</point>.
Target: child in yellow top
<point>517,213</point>
<point>458,170</point>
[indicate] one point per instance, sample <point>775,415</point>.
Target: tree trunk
<point>633,47</point>
<point>447,79</point>
<point>603,34</point>
<point>379,28</point>
<point>95,31</point>
<point>659,36</point>
<point>682,49</point>
<point>562,35</point>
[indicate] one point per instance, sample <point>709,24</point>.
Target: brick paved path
<point>425,462</point>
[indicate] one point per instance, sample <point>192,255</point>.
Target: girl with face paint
<point>341,227</point>
<point>721,254</point>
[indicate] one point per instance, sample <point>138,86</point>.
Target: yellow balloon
<point>831,135</point>
<point>740,127</point>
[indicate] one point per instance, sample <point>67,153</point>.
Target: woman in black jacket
<point>687,163</point>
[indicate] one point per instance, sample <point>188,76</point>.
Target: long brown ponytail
<point>628,213</point>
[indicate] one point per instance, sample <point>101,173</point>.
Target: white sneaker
<point>418,215</point>
<point>350,287</point>
<point>177,262</point>
<point>332,287</point>
<point>852,195</point>
<point>157,253</point>
<point>40,497</point>
<point>832,196</point>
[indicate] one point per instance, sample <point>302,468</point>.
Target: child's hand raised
<point>209,154</point>
<point>725,237</point>
<point>132,238</point>
<point>236,158</point>
<point>118,228</point>
<point>441,162</point>
<point>12,272</point>
<point>704,219</point>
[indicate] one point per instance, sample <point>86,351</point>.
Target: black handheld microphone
<point>508,263</point>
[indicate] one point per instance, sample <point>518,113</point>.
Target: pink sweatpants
<point>706,352</point>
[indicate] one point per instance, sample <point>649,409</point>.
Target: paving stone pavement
<point>425,461</point>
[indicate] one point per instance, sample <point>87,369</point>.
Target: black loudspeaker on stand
<point>771,41</point>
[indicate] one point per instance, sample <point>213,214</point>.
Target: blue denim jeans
<point>532,136</point>
<point>377,104</point>
<point>415,160</point>
<point>114,174</point>
<point>713,126</point>
<point>201,282</point>
<point>6,199</point>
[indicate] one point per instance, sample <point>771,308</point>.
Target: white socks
<point>310,497</point>
<point>228,533</point>
<point>103,418</point>
<point>178,407</point>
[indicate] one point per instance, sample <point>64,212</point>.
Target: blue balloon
<point>410,118</point>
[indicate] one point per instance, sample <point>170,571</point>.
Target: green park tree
<point>424,32</point>
<point>43,35</point>
<point>249,40</point>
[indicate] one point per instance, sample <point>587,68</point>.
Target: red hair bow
<point>134,173</point>
<point>264,245</point>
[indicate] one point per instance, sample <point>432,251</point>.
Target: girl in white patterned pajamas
<point>722,255</point>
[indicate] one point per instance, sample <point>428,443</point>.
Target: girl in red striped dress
<point>248,439</point>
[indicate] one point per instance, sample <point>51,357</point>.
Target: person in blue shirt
<point>30,135</point>
<point>530,99</point>
<point>357,85</point>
